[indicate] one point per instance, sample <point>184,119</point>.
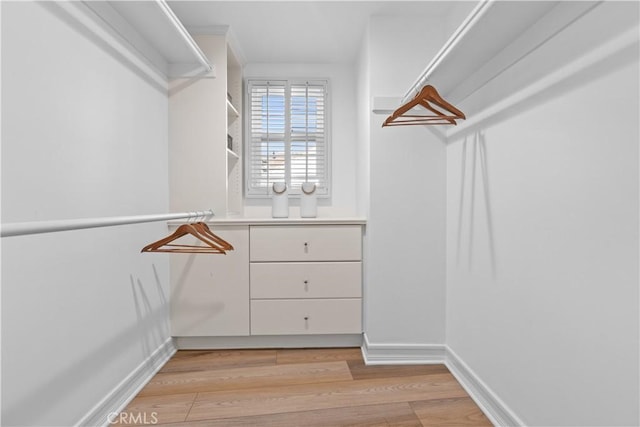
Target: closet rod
<point>38,227</point>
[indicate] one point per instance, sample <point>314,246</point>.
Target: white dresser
<point>306,279</point>
<point>287,283</point>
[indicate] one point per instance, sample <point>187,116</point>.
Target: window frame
<point>292,192</point>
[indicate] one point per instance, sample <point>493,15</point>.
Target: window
<point>287,135</point>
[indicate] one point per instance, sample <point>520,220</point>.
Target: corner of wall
<point>418,354</point>
<point>402,353</point>
<point>493,407</point>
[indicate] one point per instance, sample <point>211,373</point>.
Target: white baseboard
<point>402,354</point>
<point>492,406</point>
<point>127,389</point>
<point>413,354</point>
<point>268,341</point>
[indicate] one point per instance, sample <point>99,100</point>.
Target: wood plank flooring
<point>299,387</point>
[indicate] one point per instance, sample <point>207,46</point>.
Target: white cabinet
<point>210,293</point>
<point>204,116</point>
<point>306,279</point>
<point>272,285</point>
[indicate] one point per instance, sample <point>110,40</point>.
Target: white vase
<point>308,200</point>
<point>280,200</point>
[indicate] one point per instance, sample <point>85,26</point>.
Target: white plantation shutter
<point>307,118</point>
<point>266,152</point>
<point>287,138</point>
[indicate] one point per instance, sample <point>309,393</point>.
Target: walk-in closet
<point>320,213</point>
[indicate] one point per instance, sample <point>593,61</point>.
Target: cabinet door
<point>278,280</point>
<point>210,293</point>
<point>306,243</point>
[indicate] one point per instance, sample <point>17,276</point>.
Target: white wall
<point>343,135</point>
<point>542,246</point>
<point>404,245</point>
<point>83,135</point>
<point>363,117</point>
<point>198,134</point>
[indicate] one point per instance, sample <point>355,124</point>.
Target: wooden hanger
<point>211,245</point>
<point>205,230</point>
<point>428,98</point>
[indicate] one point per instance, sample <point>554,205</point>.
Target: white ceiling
<point>303,31</point>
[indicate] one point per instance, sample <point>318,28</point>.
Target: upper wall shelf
<point>494,36</point>
<point>153,32</point>
<point>506,54</point>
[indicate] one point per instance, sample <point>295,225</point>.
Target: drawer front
<point>306,280</point>
<point>306,243</point>
<point>304,317</point>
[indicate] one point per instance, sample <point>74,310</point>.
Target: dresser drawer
<point>306,243</point>
<point>304,317</point>
<point>281,280</point>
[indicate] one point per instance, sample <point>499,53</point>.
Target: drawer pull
<point>306,247</point>
<point>306,317</point>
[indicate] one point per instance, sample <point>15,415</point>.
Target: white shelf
<point>232,155</point>
<point>155,34</point>
<point>495,35</point>
<point>231,111</point>
<point>485,67</point>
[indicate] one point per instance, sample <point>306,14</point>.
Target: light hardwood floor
<point>299,387</point>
